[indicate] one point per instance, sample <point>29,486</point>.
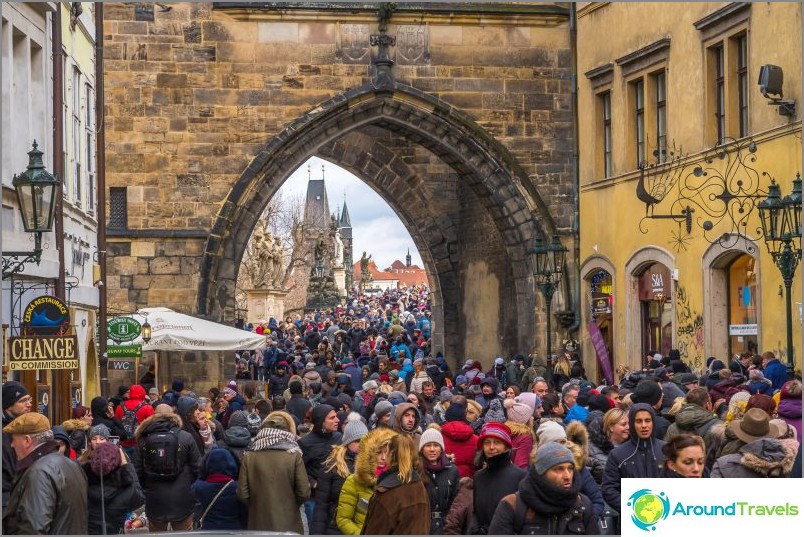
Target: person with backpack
<point>113,489</point>
<point>548,500</point>
<point>131,412</point>
<point>167,464</point>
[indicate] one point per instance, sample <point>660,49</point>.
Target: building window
<point>605,105</point>
<point>720,91</point>
<point>89,128</point>
<point>77,135</point>
<point>741,43</point>
<point>661,116</point>
<point>742,304</point>
<point>118,208</point>
<point>639,104</point>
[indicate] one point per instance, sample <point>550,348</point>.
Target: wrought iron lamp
<point>36,195</point>
<point>547,264</point>
<point>145,330</point>
<point>781,229</point>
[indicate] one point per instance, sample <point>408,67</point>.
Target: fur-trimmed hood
<point>366,462</point>
<point>153,422</point>
<point>75,425</point>
<point>769,457</point>
<point>578,435</point>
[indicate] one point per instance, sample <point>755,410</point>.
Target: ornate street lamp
<point>781,229</point>
<point>145,330</point>
<point>547,263</point>
<point>36,195</point>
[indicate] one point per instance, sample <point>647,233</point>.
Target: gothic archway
<point>512,201</point>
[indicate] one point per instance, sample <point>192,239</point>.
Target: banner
<point>710,506</point>
<point>600,349</point>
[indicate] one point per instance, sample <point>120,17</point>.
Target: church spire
<point>345,220</point>
<point>408,259</point>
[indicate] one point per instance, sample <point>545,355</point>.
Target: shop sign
<point>43,399</point>
<point>123,351</point>
<point>75,390</point>
<point>743,329</point>
<point>44,352</point>
<point>122,329</point>
<point>46,316</point>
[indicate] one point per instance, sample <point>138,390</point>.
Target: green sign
<point>123,351</point>
<point>123,329</point>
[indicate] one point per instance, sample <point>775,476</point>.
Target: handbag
<point>608,522</point>
<point>200,524</point>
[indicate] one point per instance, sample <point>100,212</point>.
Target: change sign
<point>43,352</point>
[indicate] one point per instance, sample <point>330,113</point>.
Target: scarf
<point>544,497</point>
<point>270,438</point>
<point>436,466</point>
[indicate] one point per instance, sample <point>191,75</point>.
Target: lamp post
<point>547,264</point>
<point>36,196</point>
<point>781,229</point>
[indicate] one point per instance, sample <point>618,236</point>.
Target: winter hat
<point>431,435</point>
<point>382,408</point>
<point>59,433</point>
<point>550,431</point>
<point>444,396</point>
<point>687,378</point>
<point>239,418</point>
<point>499,361</point>
<point>185,405</point>
<point>495,412</point>
<point>550,455</point>
<point>122,389</point>
<point>253,422</point>
<point>648,392</point>
<point>105,459</point>
<point>385,378</point>
<point>601,403</point>
<point>177,385</point>
<point>762,401</point>
<point>228,391</point>
<point>530,399</point>
<point>518,412</point>
<point>370,385</point>
<point>393,374</point>
<point>717,365</point>
<point>494,430</point>
<point>100,430</point>
<point>397,397</point>
<point>784,393</point>
<point>468,364</point>
<point>13,391</point>
<point>353,432</point>
<point>455,412</point>
<point>417,362</point>
<point>309,365</point>
<point>755,375</point>
<point>343,400</point>
<point>460,379</point>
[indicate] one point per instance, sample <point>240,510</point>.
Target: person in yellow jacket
<point>372,460</point>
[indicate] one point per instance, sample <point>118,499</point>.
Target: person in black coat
<point>316,445</point>
<point>168,500</point>
<point>103,415</point>
<point>336,468</point>
<point>441,478</point>
<point>298,405</point>
<point>227,512</point>
<point>498,478</point>
<point>113,489</point>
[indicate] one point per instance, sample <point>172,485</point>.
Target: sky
<point>376,229</point>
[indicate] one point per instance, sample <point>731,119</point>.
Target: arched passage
<point>505,194</point>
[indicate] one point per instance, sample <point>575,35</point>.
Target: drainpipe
<point>100,145</point>
<point>576,295</point>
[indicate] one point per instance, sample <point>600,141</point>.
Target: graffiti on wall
<point>689,330</point>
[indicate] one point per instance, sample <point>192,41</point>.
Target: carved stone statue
<point>277,253</point>
<point>364,264</point>
<point>261,258</point>
<point>338,258</point>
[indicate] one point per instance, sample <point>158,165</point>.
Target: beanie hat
<point>100,430</point>
<point>122,389</point>
<point>431,435</point>
<point>239,418</point>
<point>460,379</point>
<point>59,433</point>
<point>518,412</point>
<point>382,408</point>
<point>105,459</point>
<point>455,412</point>
<point>393,374</point>
<point>494,430</point>
<point>370,385</point>
<point>397,397</point>
<point>444,396</point>
<point>495,412</point>
<point>177,385</point>
<point>13,391</point>
<point>354,431</point>
<point>755,374</point>
<point>343,399</point>
<point>417,362</point>
<point>550,455</point>
<point>468,364</point>
<point>530,399</point>
<point>550,431</point>
<point>717,365</point>
<point>765,402</point>
<point>228,391</point>
<point>601,403</point>
<point>499,361</point>
<point>648,392</point>
<point>253,421</point>
<point>687,378</point>
<point>385,378</point>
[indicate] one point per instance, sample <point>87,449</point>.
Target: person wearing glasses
<point>16,402</point>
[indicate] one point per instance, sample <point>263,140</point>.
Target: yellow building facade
<point>669,110</point>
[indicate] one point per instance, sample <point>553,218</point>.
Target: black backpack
<point>129,420</point>
<point>159,452</point>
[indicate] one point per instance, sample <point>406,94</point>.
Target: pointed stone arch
<point>486,166</point>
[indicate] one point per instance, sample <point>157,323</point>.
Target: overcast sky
<point>375,227</point>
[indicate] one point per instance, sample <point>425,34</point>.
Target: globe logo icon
<point>648,508</point>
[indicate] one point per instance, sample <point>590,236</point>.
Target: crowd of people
<point>347,424</point>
